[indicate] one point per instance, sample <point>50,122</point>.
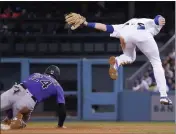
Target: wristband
<point>109,29</point>
<point>90,24</point>
<point>156,19</point>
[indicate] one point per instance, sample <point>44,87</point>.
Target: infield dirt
<point>97,128</point>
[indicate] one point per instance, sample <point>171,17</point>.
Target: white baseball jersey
<point>136,24</point>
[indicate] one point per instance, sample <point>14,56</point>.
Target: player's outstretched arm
<point>159,21</point>
<point>61,111</point>
<point>100,26</point>
<point>75,20</point>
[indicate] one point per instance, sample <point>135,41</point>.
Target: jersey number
<point>141,26</point>
<point>45,83</point>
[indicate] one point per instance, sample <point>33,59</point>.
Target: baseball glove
<point>75,20</point>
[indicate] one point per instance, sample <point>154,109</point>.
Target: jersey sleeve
<point>116,33</point>
<point>152,27</point>
<point>60,95</point>
<point>155,30</point>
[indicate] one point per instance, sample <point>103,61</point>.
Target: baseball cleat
<point>113,73</point>
<point>165,101</point>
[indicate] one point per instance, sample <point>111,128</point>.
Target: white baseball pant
<point>17,98</point>
<point>147,45</point>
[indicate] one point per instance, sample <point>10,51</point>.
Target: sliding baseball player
<point>137,32</point>
<point>21,99</point>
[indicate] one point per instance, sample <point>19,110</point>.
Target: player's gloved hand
<point>75,20</point>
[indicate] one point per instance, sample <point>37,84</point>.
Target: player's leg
<point>22,110</point>
<point>150,49</point>
<point>6,100</point>
<point>128,56</point>
<point>9,97</point>
<point>9,116</point>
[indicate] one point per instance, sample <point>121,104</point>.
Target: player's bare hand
<point>162,21</point>
<point>63,127</point>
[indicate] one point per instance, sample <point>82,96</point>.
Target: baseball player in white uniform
<point>137,32</point>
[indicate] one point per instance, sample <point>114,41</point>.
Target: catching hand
<point>75,20</point>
